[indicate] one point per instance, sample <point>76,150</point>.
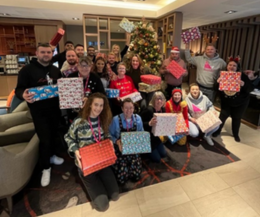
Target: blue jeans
<point>158,153</point>
<point>194,130</point>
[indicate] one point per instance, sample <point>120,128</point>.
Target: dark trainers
<point>237,139</point>
<point>217,133</point>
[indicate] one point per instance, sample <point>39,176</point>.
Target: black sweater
<point>146,116</point>
<point>94,82</point>
<point>240,97</point>
<point>34,75</point>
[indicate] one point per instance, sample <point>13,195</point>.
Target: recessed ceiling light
<point>119,30</point>
<point>230,12</point>
<point>141,0</point>
<point>4,14</point>
<point>75,18</point>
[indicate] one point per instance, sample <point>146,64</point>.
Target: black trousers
<point>101,187</point>
<point>236,113</point>
<point>46,124</point>
<point>169,89</point>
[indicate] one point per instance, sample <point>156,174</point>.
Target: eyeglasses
<point>84,66</point>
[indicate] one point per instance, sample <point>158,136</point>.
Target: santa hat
<point>175,50</point>
<point>176,90</point>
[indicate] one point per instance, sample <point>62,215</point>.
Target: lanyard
<point>86,89</point>
<point>92,130</point>
<point>130,124</point>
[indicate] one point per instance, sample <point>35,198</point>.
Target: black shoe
<point>217,133</point>
<point>237,139</point>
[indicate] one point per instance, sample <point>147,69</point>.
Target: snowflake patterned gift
<point>44,92</point>
<point>147,88</point>
<point>70,92</point>
<point>181,127</point>
<point>230,81</point>
<point>136,142</point>
<point>151,79</point>
<point>175,69</point>
<point>166,123</point>
<point>191,35</point>
<point>127,25</point>
<point>208,121</point>
<point>112,93</point>
<point>136,96</point>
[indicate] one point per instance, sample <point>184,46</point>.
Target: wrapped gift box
<point>181,127</point>
<point>176,138</point>
<point>230,81</point>
<point>97,156</point>
<point>175,69</point>
<point>112,93</point>
<point>136,96</point>
<point>57,37</point>
<point>70,92</point>
<point>127,25</point>
<point>44,92</point>
<point>151,79</point>
<point>191,35</point>
<point>136,142</point>
<point>166,123</point>
<point>147,88</point>
<point>208,121</point>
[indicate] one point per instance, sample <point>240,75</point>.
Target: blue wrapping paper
<point>44,92</point>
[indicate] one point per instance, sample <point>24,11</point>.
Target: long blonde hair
<point>118,56</point>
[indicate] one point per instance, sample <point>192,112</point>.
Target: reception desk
<point>7,84</point>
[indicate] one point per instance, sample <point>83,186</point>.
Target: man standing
<point>91,53</point>
<point>61,57</point>
<point>70,65</point>
<point>111,63</point>
<point>208,69</point>
<point>79,49</point>
<point>45,113</point>
<point>171,81</point>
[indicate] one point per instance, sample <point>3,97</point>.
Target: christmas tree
<point>144,43</point>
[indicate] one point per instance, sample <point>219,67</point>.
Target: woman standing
<point>91,82</point>
<point>234,104</point>
<point>156,105</point>
<point>116,49</point>
<point>126,166</point>
<point>91,127</point>
<point>100,69</point>
<point>176,105</point>
<point>135,71</point>
<point>198,104</point>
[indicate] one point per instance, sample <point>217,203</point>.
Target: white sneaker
<point>209,140</point>
<point>56,160</point>
<point>46,177</point>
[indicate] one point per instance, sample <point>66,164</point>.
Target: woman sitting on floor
<point>91,127</point>
<point>176,105</point>
<point>198,104</point>
<point>156,105</point>
<point>126,166</point>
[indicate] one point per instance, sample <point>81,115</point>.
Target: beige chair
<point>16,127</point>
<point>17,162</point>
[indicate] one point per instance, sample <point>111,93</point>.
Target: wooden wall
<point>235,37</point>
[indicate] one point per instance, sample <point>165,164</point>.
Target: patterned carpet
<point>65,189</point>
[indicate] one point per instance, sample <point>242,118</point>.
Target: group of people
<point>102,118</point>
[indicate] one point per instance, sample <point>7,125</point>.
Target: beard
<point>44,60</point>
<point>72,63</point>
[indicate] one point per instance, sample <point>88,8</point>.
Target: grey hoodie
<point>203,103</point>
<point>208,69</point>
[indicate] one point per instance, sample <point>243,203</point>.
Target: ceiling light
<point>230,12</point>
<point>75,18</point>
<point>4,14</point>
<point>119,30</point>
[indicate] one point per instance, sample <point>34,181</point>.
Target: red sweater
<point>125,85</point>
<point>171,107</point>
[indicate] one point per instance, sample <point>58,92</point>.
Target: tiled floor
<point>225,191</point>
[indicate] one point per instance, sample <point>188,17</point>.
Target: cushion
<point>16,148</point>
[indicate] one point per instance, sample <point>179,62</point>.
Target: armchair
<point>17,162</point>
